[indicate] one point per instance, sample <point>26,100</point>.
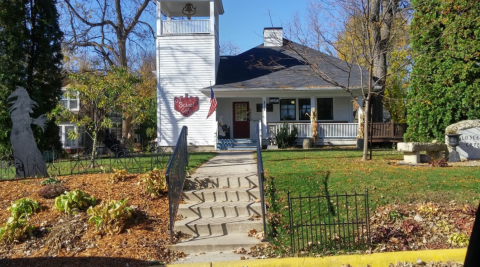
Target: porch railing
<point>344,130</point>
<point>260,174</point>
<point>380,130</point>
<point>388,130</point>
<point>175,176</point>
<point>185,26</point>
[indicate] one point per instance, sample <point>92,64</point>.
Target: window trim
<point>300,113</point>
<point>294,109</point>
<point>68,99</point>
<point>63,137</point>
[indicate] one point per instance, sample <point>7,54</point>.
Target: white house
<point>71,102</point>
<point>268,83</point>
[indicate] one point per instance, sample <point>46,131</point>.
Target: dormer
<point>188,17</point>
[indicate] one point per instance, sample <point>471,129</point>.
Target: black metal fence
<point>105,160</point>
<point>261,177</point>
<point>176,175</point>
<point>325,223</point>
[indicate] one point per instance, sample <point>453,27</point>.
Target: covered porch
<point>344,133</point>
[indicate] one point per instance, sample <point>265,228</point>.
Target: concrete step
<point>231,181</point>
<point>220,209</point>
<point>242,148</point>
<point>221,195</point>
<point>215,243</point>
<point>217,226</point>
<point>240,141</point>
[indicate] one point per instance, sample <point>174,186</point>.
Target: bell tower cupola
<point>188,55</point>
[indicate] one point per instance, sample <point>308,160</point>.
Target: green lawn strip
<point>315,172</point>
<point>198,159</point>
<point>131,164</point>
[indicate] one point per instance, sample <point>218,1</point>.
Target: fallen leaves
<point>421,226</point>
<point>144,240</point>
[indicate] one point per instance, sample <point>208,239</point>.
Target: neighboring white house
<point>268,83</point>
<point>71,102</point>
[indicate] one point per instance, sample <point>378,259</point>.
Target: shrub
<point>15,230</point>
<point>118,175</point>
<point>16,227</point>
<point>22,208</point>
<point>52,190</point>
<point>155,182</point>
<point>73,201</point>
<point>110,218</point>
<point>51,180</point>
<point>284,137</point>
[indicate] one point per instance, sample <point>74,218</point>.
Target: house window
<point>69,100</point>
<point>304,107</point>
<point>287,109</point>
<point>325,108</point>
<point>69,143</point>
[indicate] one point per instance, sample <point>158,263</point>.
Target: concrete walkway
<point>221,207</point>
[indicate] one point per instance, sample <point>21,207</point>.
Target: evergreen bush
<point>286,137</point>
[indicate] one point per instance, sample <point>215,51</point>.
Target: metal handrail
<point>260,174</point>
<point>175,176</point>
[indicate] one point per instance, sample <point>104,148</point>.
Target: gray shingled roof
<point>282,68</point>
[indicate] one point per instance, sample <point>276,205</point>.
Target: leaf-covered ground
<point>421,226</point>
<point>67,240</point>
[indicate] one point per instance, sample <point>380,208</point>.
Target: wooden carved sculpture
<point>313,120</point>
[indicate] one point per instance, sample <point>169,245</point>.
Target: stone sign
<point>469,147</point>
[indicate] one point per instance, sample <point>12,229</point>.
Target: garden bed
<point>142,242</point>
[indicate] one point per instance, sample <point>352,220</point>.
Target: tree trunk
<point>366,118</point>
<point>94,150</point>
<point>126,128</point>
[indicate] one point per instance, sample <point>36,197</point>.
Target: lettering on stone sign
<point>470,138</point>
<point>475,145</point>
<point>472,141</point>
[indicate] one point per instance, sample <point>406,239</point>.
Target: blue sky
<point>244,20</point>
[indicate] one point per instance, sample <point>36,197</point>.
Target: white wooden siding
<point>186,65</point>
<point>342,109</point>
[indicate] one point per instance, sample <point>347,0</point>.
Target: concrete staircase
<point>236,144</point>
<point>221,205</point>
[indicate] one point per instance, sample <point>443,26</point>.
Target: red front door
<point>241,121</point>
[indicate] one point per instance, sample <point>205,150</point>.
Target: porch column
<point>359,110</point>
<point>313,103</point>
<point>264,117</point>
<point>212,16</point>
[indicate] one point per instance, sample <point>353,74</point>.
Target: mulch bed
<point>68,240</point>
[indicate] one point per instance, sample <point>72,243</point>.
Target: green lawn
<point>141,164</point>
<point>311,172</point>
<point>330,171</point>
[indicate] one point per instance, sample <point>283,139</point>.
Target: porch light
<point>189,10</point>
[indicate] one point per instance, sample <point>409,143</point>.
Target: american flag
<point>213,103</point>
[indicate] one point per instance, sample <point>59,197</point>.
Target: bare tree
<point>369,42</point>
<point>229,49</point>
<point>113,30</point>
